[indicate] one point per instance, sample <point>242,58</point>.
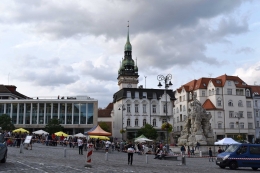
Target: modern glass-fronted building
<point>76,113</point>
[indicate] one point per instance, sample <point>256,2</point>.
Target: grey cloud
<point>245,50</point>
<point>101,73</point>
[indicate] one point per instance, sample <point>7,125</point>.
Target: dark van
<point>240,155</point>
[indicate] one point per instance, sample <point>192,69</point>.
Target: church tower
<point>128,70</point>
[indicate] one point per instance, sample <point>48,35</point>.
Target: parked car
<point>240,155</point>
<point>3,149</point>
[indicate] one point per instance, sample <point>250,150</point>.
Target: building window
<point>219,125</point>
<point>249,114</point>
<point>257,123</point>
<point>256,104</point>
<point>240,103</point>
<point>154,122</point>
<point>136,108</point>
<point>164,108</point>
<point>164,120</point>
<point>185,117</point>
<point>209,92</point>
<point>219,115</point>
<point>144,122</point>
<point>212,91</point>
<point>240,114</point>
<point>180,98</point>
<point>128,122</point>
<point>231,114</point>
<point>183,98</point>
<point>231,125</point>
<point>154,108</point>
<point>247,93</point>
<point>178,128</point>
<point>256,113</point>
<point>177,119</point>
<point>250,125</point>
<point>184,109</point>
<point>241,125</point>
<point>229,83</point>
<point>144,108</point>
<point>230,103</point>
<point>229,91</point>
<point>239,92</point>
<point>219,101</point>
<point>248,104</point>
<point>154,96</point>
<point>203,94</point>
<point>136,122</point>
<point>180,108</point>
<point>144,95</point>
<point>217,91</point>
<point>177,110</point>
<point>128,94</point>
<point>128,108</point>
<point>180,117</point>
<point>136,94</point>
<point>190,96</point>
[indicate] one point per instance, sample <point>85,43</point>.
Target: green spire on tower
<point>128,46</point>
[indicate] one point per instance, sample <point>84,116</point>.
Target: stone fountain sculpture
<point>197,127</point>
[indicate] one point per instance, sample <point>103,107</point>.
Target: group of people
<point>189,150</point>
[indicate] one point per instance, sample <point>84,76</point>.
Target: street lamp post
<point>167,84</point>
<point>238,117</point>
<point>122,107</point>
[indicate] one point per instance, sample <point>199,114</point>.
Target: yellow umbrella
<point>61,133</point>
<point>100,137</point>
<point>20,130</point>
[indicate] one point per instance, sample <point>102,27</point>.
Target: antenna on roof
<point>145,81</point>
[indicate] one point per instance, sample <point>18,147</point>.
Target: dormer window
<point>247,93</point>
<point>229,83</point>
<point>236,82</point>
<point>243,83</point>
<point>218,81</point>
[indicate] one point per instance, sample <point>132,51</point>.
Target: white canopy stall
<point>226,141</point>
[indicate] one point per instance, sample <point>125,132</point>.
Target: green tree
<point>148,131</point>
<point>6,123</point>
<point>104,126</point>
<point>54,126</point>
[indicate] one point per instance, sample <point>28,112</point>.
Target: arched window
<point>144,122</point>
<point>231,125</point>
<point>136,122</point>
<point>128,122</point>
<point>212,91</point>
<point>219,125</point>
<point>154,122</point>
<point>219,103</point>
<point>190,96</point>
<point>180,108</point>
<point>217,91</point>
<point>230,103</point>
<point>240,103</point>
<point>180,98</point>
<point>247,93</point>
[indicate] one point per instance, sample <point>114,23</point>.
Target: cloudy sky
<point>74,47</point>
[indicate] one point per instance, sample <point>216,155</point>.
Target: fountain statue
<point>197,127</point>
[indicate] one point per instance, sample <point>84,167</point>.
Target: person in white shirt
<point>80,145</point>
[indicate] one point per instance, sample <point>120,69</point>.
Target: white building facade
<point>134,106</point>
<point>227,98</point>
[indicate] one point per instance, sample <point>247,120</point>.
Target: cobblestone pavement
<point>48,159</point>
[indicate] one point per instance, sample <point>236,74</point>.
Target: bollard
<point>21,148</point>
<point>89,153</point>
<point>65,150</point>
<point>200,153</point>
<point>106,156</point>
<point>183,160</point>
<point>146,158</point>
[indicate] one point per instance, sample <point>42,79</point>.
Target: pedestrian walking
<point>210,155</point>
<point>189,151</point>
<point>183,150</point>
<point>80,145</point>
<point>130,151</point>
<point>192,150</point>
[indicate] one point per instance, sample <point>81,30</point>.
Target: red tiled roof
<point>11,89</point>
<point>255,89</point>
<point>106,112</point>
<point>208,105</point>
